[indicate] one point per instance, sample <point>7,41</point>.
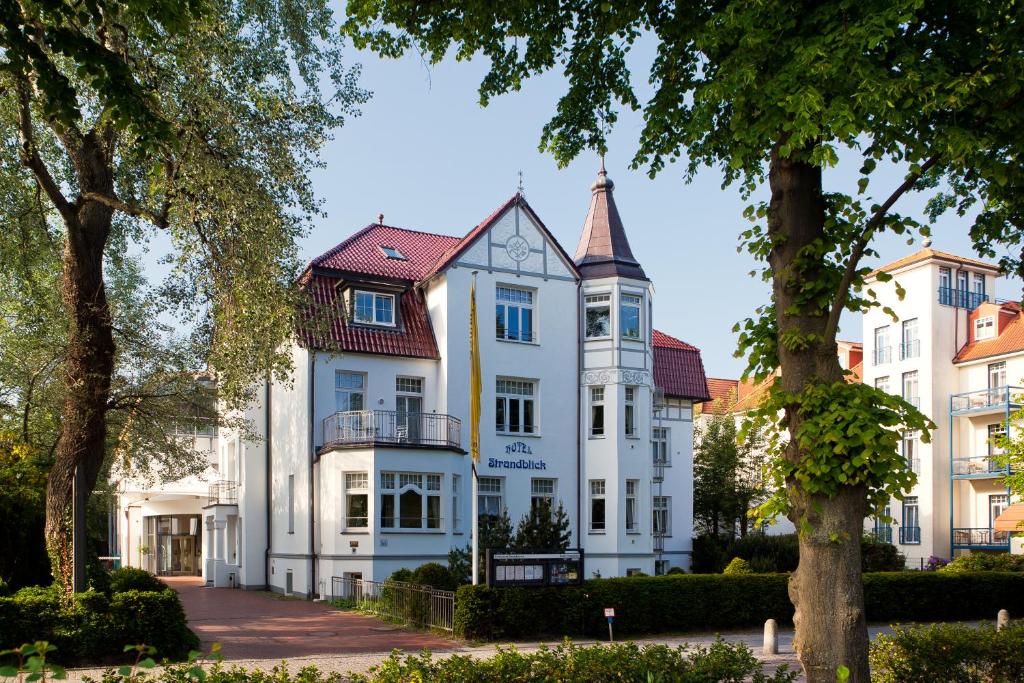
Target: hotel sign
<point>517,448</point>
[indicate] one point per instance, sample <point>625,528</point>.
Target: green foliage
<point>542,530</point>
<point>23,559</point>
<point>1008,452</point>
<point>737,565</point>
<point>878,556</point>
<point>984,562</point>
<point>702,602</point>
<point>728,476</point>
<point>30,663</point>
<point>434,575</point>
<point>765,553</point>
<point>130,578</point>
<point>720,661</point>
<point>949,652</point>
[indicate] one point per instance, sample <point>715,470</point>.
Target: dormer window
<point>393,253</point>
<point>984,328</point>
<point>373,308</point>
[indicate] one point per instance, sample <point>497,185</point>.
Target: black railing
<point>980,537</point>
<point>391,427</point>
<point>223,492</point>
<point>910,535</point>
<point>961,298</point>
<point>882,534</point>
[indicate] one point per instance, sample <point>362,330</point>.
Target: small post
<point>1002,620</point>
<point>771,638</point>
<point>609,613</point>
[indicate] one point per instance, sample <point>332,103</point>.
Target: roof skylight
<point>393,253</point>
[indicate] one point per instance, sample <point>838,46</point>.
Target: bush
<point>676,570</point>
<point>690,602</point>
<point>766,554</point>
<point>737,566</point>
<point>436,576</point>
<point>949,652</point>
<point>132,579</point>
<point>878,556</point>
<point>982,562</point>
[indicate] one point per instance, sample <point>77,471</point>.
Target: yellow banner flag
<point>474,376</point>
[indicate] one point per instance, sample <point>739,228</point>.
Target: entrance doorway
<point>177,541</point>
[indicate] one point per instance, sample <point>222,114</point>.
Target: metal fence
<point>355,427</point>
<point>398,601</point>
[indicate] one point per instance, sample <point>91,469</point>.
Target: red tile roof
<point>678,370</point>
<point>361,253</point>
<point>1009,340</point>
<point>724,393</point>
<point>928,253</point>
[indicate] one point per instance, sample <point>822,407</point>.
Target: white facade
<point>362,467</point>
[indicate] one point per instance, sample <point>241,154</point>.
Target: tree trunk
<point>826,588</point>
<point>89,362</point>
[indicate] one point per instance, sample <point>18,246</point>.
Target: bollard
<point>1003,620</point>
<point>771,638</point>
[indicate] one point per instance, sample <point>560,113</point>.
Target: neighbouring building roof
<point>678,369</point>
<point>603,250</point>
<point>1009,337</point>
<point>929,253</point>
<point>363,253</point>
<point>723,393</point>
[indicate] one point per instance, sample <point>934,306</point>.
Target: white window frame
<point>632,499</point>
<point>597,492</point>
<point>985,328</point>
<point>911,379</point>
<point>509,390</point>
<point>595,302</point>
<point>660,442</point>
<point>373,319</point>
<point>910,337</point>
<point>543,489</point>
<point>882,383</point>
<point>999,369</point>
<point>341,389</point>
<point>629,412</point>
<point>356,484</point>
<point>427,484</point>
<point>633,301</point>
<point>490,488</point>
<point>597,394</point>
<point>661,508</point>
<point>456,502</point>
<point>883,346</point>
<point>526,306</point>
<point>979,284</point>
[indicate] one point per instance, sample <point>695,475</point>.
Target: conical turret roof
<point>603,250</point>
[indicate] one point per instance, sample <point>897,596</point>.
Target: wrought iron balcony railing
<point>223,492</point>
<point>391,427</point>
<point>961,298</point>
<point>980,538</point>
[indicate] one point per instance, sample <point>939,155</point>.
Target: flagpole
<point>476,531</point>
<point>474,426</point>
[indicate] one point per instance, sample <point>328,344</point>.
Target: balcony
<point>981,539</point>
<point>392,428</point>
<point>910,349</point>
<point>980,467</point>
<point>910,535</point>
<point>881,355</point>
<point>961,298</point>
<point>1006,398</point>
<point>223,492</point>
<point>882,534</point>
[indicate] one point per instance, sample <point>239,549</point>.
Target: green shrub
<point>691,602</point>
<point>708,555</point>
<point>436,576</point>
<point>737,565</point>
<point>676,570</point>
<point>404,575</point>
<point>949,652</point>
<point>132,579</point>
<point>878,556</point>
<point>766,554</point>
<point>983,562</point>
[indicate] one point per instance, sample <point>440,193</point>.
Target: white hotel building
<point>362,465</point>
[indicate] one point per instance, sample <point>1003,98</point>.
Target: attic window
<point>984,328</point>
<point>393,253</point>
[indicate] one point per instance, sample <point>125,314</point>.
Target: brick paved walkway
<point>253,625</point>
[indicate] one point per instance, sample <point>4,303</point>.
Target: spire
<point>603,250</point>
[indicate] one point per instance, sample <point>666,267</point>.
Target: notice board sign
<point>535,569</point>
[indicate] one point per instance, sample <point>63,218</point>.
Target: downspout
<point>269,476</point>
<point>312,462</point>
<point>579,416</point>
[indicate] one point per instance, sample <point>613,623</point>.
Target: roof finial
<point>602,171</point>
<point>380,218</point>
<point>603,182</point>
<point>520,189</point>
<point>927,242</point>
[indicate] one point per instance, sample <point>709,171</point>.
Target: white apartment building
<point>361,464</point>
<point>956,352</point>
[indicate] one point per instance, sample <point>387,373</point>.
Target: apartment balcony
<point>360,428</point>
<point>997,399</point>
<point>223,492</point>
<point>881,355</point>
<point>882,534</point>
<point>961,298</point>
<point>910,349</point>
<point>979,467</point>
<point>980,539</point>
<point>910,535</point>
<point>659,471</point>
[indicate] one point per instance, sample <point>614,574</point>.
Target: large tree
<point>194,122</point>
<point>775,93</point>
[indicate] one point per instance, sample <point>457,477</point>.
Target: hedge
<point>691,602</point>
<point>949,652</point>
<point>94,626</point>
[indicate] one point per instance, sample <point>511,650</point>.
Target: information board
<point>535,569</point>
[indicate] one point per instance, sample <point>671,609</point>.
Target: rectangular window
<point>910,532</point>
<point>996,504</point>
<point>911,345</point>
<point>882,383</point>
<point>597,510</point>
<point>456,500</point>
<point>995,433</point>
<point>961,281</point>
<point>542,491</point>
<point>997,375</point>
<point>598,316</point>
<point>357,500</point>
<point>984,328</point>
<point>882,350</point>
<point>291,503</point>
<point>513,314</point>
<point>979,284</point>
<point>909,443</point>
<point>629,414</point>
<point>416,499</point>
<point>489,491</point>
<point>629,316</point>
<point>945,286</point>
<point>659,445</point>
<point>632,513</point>
<point>373,308</point>
<point>596,411</point>
<point>661,517</point>
<point>514,406</point>
<point>349,391</point>
<point>911,393</point>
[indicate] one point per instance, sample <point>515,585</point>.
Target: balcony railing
<point>981,538</point>
<point>1005,397</point>
<point>910,349</point>
<point>223,492</point>
<point>961,298</point>
<point>910,535</point>
<point>978,467</point>
<point>391,427</point>
<point>882,534</point>
<point>882,355</point>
